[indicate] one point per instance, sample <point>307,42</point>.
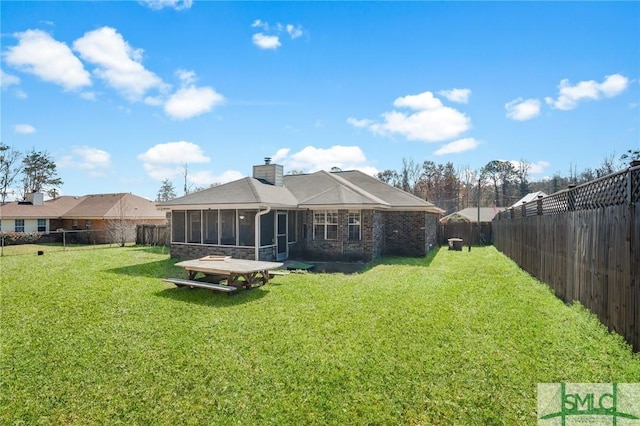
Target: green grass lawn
<point>95,337</point>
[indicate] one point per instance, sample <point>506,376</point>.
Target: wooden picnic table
<point>238,273</point>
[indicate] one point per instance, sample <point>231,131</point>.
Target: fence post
<point>571,198</point>
<point>634,257</point>
<point>539,205</point>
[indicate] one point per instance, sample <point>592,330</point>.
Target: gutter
<point>256,230</point>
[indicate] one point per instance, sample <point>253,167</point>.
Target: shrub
<point>20,237</point>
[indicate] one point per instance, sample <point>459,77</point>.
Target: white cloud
<point>174,153</point>
<point>118,64</point>
<point>191,101</point>
<point>24,129</point>
<point>613,85</point>
<point>534,168</point>
<point>266,41</point>
<point>458,146</point>
<point>89,96</point>
<point>456,95</point>
<point>39,54</point>
<point>186,76</point>
<point>207,178</point>
<point>7,80</point>
<point>259,24</point>
<point>167,160</point>
<point>311,159</point>
<point>539,167</point>
<point>294,31</point>
<point>359,123</point>
<point>269,37</point>
<point>174,4</point>
<point>422,101</point>
<point>93,160</point>
<point>569,95</point>
<point>521,110</point>
<point>432,121</point>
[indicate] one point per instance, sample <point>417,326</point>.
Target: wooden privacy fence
<point>469,232</point>
<point>152,235</point>
<point>584,242</point>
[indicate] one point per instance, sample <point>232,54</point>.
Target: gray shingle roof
<point>98,206</point>
<point>246,191</point>
<point>351,189</point>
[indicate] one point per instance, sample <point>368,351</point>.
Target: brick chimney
<point>268,172</point>
<point>35,198</point>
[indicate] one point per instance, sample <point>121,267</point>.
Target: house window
<point>211,226</point>
<point>354,225</point>
<point>325,225</point>
<point>178,226</point>
<point>194,218</point>
<point>42,225</point>
<point>74,224</point>
<point>19,225</point>
<point>87,225</point>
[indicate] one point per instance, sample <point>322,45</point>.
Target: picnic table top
<point>228,265</point>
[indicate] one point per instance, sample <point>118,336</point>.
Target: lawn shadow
<point>204,297</point>
<point>157,269</point>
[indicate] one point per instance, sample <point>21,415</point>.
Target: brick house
<point>93,219</point>
<point>338,216</point>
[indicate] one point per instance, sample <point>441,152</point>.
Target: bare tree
<point>122,228</point>
<point>10,168</point>
<point>522,176</point>
<point>606,167</point>
<point>467,177</point>
<point>409,175</point>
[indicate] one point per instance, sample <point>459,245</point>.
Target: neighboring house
<point>344,216</point>
<point>103,218</point>
<point>464,224</point>
<point>532,196</point>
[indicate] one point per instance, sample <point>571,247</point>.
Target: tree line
<point>34,171</point>
<point>498,183</point>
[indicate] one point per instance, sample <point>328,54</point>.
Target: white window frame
<point>321,218</point>
<point>354,219</point>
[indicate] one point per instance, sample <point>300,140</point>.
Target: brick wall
<point>341,249</point>
<point>409,233</point>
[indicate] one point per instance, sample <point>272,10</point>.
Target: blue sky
<point>124,94</point>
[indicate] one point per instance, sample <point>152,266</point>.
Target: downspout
<point>256,228</point>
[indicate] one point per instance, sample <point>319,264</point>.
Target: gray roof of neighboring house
<point>97,206</point>
<point>322,189</point>
<point>532,196</point>
<point>470,214</point>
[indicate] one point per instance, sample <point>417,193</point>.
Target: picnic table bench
<point>237,273</point>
